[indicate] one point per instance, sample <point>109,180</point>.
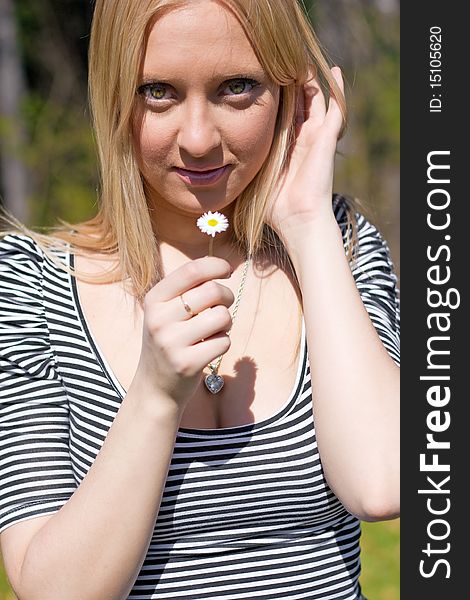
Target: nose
<point>198,133</point>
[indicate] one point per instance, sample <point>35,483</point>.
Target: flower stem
<point>211,247</point>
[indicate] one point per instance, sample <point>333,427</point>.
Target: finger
<point>315,105</point>
<point>334,115</point>
<point>210,322</point>
<point>338,75</point>
<point>198,299</point>
<point>189,275</point>
<point>204,352</point>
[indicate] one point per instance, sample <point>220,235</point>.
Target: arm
<point>355,381</point>
<point>94,546</point>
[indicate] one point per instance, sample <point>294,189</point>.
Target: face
<point>206,110</point>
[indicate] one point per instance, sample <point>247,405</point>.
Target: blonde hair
<point>287,49</point>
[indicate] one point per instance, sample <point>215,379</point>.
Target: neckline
<point>190,431</point>
<point>258,425</point>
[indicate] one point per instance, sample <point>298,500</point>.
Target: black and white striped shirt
<point>246,511</point>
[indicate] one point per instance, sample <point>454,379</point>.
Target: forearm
<point>355,382</point>
<point>94,547</point>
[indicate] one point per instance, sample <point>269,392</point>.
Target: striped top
<point>246,511</point>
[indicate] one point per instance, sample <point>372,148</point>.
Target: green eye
<point>154,91</point>
<point>238,86</point>
<point>157,92</point>
<point>244,85</point>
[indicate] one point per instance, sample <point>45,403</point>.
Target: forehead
<point>200,35</point>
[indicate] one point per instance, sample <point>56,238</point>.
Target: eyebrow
<point>241,74</point>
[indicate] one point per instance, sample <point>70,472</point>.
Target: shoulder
<point>24,261</point>
<point>33,250</point>
<point>367,239</point>
<point>348,213</point>
<point>21,294</point>
<point>19,245</point>
<point>343,208</point>
<point>21,260</point>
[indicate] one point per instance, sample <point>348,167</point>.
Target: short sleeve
<point>36,476</point>
<point>376,281</point>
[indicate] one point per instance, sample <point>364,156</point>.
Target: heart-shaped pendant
<point>214,383</point>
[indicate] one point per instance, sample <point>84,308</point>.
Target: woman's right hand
<point>175,345</point>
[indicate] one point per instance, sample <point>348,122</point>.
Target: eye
<point>154,91</point>
<point>240,86</point>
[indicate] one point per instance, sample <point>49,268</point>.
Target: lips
<point>202,177</point>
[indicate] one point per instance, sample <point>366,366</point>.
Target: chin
<point>198,203</point>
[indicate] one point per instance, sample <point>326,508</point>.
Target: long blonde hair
<point>287,49</point>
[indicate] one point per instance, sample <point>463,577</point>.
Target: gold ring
<point>187,308</point>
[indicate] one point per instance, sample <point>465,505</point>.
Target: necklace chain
<point>214,367</point>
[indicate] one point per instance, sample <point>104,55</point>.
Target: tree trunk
<point>13,171</point>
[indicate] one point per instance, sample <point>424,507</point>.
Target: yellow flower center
<point>212,222</point>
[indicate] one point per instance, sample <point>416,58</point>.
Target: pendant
<point>214,383</point>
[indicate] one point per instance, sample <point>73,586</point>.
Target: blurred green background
<point>48,165</point>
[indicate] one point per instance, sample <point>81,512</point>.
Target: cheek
<point>153,142</point>
<point>255,134</point>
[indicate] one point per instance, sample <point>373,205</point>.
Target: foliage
<point>58,152</point>
<point>380,543</point>
<point>61,159</point>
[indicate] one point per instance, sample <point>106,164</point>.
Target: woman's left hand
<point>305,191</point>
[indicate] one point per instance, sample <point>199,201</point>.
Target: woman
<point>129,472</point>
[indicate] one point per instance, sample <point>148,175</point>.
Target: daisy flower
<point>212,223</point>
